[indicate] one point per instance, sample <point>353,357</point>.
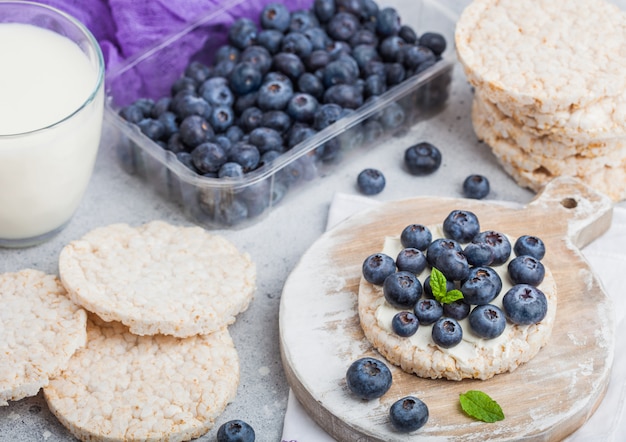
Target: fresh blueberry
<point>216,92</point>
<point>458,309</point>
<point>175,144</point>
<point>235,431</point>
<point>195,130</point>
<point>276,120</point>
<point>374,67</point>
<point>227,53</point>
<point>392,49</point>
<point>298,133</point>
<point>342,26</point>
<point>499,242</point>
<point>244,102</point>
<point>245,78</point>
<point>310,84</point>
<point>417,236</point>
<point>185,104</point>
<point>408,414</point>
<point>392,116</point>
<point>370,181</point>
<point>169,122</point>
<point>132,113</point>
<point>408,34</point>
<point>388,22</point>
<point>377,267</point>
<point>224,68</point>
<point>525,304</point>
<point>234,133</point>
<point>479,254</point>
<point>223,141</point>
<point>415,56</point>
<point>447,332</point>
<point>363,37</point>
<point>146,105</point>
<point>208,157</point>
<point>153,129</point>
<point>373,131</point>
<point>411,260</point>
<point>297,43</point>
<point>395,73</point>
<point>318,59</point>
<point>242,33</point>
<point>302,107</point>
<point>326,115</point>
<point>428,311</point>
<point>402,289</point>
<point>369,13</point>
<point>250,119</point>
<point>275,94</point>
<point>324,9</point>
<point>440,245</point>
<point>351,6</point>
<point>525,269</point>
<point>452,264</point>
<point>289,64</point>
<point>183,84</point>
<point>530,245</point>
<point>375,85</point>
<point>187,160</point>
<point>344,95</point>
<point>257,56</point>
<point>222,117</point>
<point>483,285</point>
<point>303,19</point>
<point>275,16</point>
<point>404,324</point>
<point>245,154</point>
<point>198,71</point>
<point>270,39</point>
<point>339,71</point>
<point>428,290</point>
<point>461,226</point>
<point>434,41</point>
<point>422,158</point>
<point>368,378</point>
<point>338,48</point>
<point>476,187</point>
<point>318,37</point>
<point>487,321</point>
<point>266,139</point>
<point>161,106</point>
<point>230,170</point>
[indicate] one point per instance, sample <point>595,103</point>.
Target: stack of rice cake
<point>550,88</point>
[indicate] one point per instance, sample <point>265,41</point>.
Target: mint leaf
<point>439,288</point>
<point>480,406</point>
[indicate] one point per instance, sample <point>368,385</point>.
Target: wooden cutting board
<point>546,399</point>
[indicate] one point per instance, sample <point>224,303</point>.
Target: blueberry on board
<point>461,226</point>
<point>525,304</point>
<point>216,92</point>
<point>530,245</point>
<point>447,332</point>
<point>377,267</point>
<point>208,157</point>
<point>438,246</point>
<point>245,78</point>
<point>153,129</point>
<point>388,22</point>
<point>458,309</point>
<point>402,289</point>
<point>275,16</point>
<point>324,9</point>
<point>270,39</point>
<point>526,269</point>
<point>235,431</point>
<point>422,158</point>
<point>404,324</point>
<point>242,33</point>
<point>476,186</point>
<point>417,236</point>
<point>302,107</point>
<point>344,95</point>
<point>453,264</point>
<point>428,290</point>
<point>370,181</point>
<point>411,260</point>
<point>297,43</point>
<point>221,118</point>
<point>408,414</point>
<point>303,19</point>
<point>274,95</point>
<point>482,286</point>
<point>499,242</point>
<point>434,41</point>
<point>487,321</point>
<point>428,311</point>
<point>479,254</point>
<point>342,26</point>
<point>368,378</point>
<point>257,56</point>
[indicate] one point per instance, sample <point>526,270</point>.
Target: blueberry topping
<point>525,269</point>
<point>370,181</point>
<point>377,267</point>
<point>482,285</point>
<point>461,226</point>
<point>438,246</point>
<point>404,324</point>
<point>368,378</point>
<point>447,332</point>
<point>499,242</point>
<point>530,245</point>
<point>411,260</point>
<point>457,309</point>
<point>525,304</point>
<point>453,264</point>
<point>487,321</point>
<point>402,289</point>
<point>408,414</point>
<point>416,236</point>
<point>479,254</point>
<point>428,311</point>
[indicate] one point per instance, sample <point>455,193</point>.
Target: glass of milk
<point>51,108</point>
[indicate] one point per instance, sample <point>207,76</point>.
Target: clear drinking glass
<point>51,111</point>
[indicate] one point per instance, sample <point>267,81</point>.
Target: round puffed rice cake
<point>124,387</point>
<point>472,358</point>
<point>543,56</point>
<point>159,278</point>
<point>40,329</point>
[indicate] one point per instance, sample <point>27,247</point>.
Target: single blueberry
<point>365,54</point>
<point>257,56</point>
<point>434,41</point>
<point>270,39</point>
<point>373,131</point>
<point>247,155</point>
<point>195,130</point>
<point>483,285</point>
<point>438,246</point>
<point>303,19</point>
<point>408,414</point>
<point>175,144</point>
<point>289,64</point>
<point>363,37</point>
<point>234,133</point>
<point>377,267</point>
<point>526,269</point>
<point>298,133</point>
<point>337,49</point>
<point>461,226</point>
<point>318,37</point>
<point>326,115</point>
<point>132,113</point>
<point>183,84</point>
<point>453,264</point>
<point>245,78</point>
<point>411,260</point>
<point>525,304</point>
<point>243,102</point>
<point>388,22</point>
<point>458,309</point>
<point>275,16</point>
<point>216,92</point>
<point>395,73</point>
<point>227,53</point>
<point>153,129</point>
<point>530,245</point>
<point>415,56</point>
<point>369,13</point>
<point>169,122</point>
<point>198,71</point>
<point>342,26</point>
<point>339,72</point>
<point>302,107</point>
<point>476,186</point>
<point>266,139</point>
<point>479,254</point>
<point>487,321</point>
<point>392,116</point>
<point>297,43</point>
<point>276,120</point>
<point>324,9</point>
<point>404,324</point>
<point>402,289</point>
<point>370,181</point>
<point>310,84</point>
<point>428,311</point>
<point>422,158</point>
<point>161,106</point>
<point>368,378</point>
<point>208,157</point>
<point>222,117</point>
<point>408,34</point>
<point>250,119</point>
<point>318,59</point>
<point>447,332</point>
<point>242,33</point>
<point>344,95</point>
<point>223,68</point>
<point>351,6</point>
<point>185,104</point>
<point>235,431</point>
<point>392,49</point>
<point>187,160</point>
<point>416,236</point>
<point>230,170</point>
<point>499,242</point>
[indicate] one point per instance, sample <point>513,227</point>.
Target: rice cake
<point>124,387</point>
<point>40,329</point>
<point>159,278</point>
<point>473,357</point>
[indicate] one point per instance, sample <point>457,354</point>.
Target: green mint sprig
<point>439,289</point>
<point>480,406</point>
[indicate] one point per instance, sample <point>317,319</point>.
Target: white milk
<point>44,78</point>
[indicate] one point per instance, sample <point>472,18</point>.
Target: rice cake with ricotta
<point>473,357</point>
<point>40,329</point>
<point>158,278</point>
<point>124,387</point>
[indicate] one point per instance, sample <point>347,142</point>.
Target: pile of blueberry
<point>276,84</point>
<point>465,257</point>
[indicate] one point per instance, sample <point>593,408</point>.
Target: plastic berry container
<point>218,203</point>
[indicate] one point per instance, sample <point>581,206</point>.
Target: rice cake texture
<point>472,358</point>
<point>158,278</point>
<point>40,329</point>
<point>543,56</point>
<point>124,387</point>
